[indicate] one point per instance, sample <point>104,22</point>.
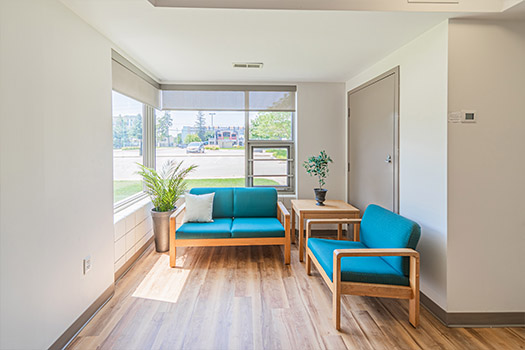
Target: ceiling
<point>184,45</point>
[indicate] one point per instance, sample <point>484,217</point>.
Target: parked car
<point>195,147</point>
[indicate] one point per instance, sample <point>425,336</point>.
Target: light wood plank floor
<point>246,298</point>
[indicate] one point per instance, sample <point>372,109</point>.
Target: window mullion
<point>149,137</point>
<point>248,166</point>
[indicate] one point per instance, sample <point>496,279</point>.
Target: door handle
<point>388,159</point>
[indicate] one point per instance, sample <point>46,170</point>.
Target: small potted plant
<point>164,188</point>
<point>318,166</point>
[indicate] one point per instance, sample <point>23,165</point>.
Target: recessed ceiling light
<point>247,65</point>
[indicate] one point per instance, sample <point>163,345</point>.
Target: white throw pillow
<point>199,208</point>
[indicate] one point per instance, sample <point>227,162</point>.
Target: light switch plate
<point>454,117</point>
<point>87,264</point>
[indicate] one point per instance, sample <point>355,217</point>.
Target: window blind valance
<point>132,82</point>
<point>229,100</point>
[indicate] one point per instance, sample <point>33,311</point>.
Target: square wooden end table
<point>332,209</point>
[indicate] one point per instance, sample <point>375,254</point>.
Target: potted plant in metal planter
<point>318,166</point>
<point>164,188</point>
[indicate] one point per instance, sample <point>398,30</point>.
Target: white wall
<point>56,204</point>
<point>423,145</point>
<point>486,173</point>
<point>320,126</point>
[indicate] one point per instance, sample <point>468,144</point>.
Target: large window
<point>238,137</point>
<point>130,146</point>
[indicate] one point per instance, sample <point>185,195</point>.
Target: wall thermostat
<point>468,116</point>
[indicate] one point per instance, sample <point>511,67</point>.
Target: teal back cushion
<point>222,201</point>
<point>254,202</point>
<point>381,228</point>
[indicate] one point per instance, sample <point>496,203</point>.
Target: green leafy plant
<point>278,153</point>
<point>318,166</point>
<point>192,138</point>
<point>166,186</point>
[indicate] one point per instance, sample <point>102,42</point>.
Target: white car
<point>195,147</point>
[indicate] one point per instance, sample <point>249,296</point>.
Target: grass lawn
<point>125,188</point>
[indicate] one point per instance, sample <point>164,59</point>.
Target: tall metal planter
<point>161,229</point>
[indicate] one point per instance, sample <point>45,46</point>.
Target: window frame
<point>251,144</point>
<point>290,161</point>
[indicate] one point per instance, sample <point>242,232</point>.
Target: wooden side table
<point>333,209</point>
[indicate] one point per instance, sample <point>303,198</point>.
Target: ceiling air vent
<point>247,65</point>
<point>433,1</point>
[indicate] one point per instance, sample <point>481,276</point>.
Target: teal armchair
<point>384,263</point>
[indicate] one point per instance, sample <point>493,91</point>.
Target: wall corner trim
<point>433,308</point>
<point>69,335</point>
<point>473,319</point>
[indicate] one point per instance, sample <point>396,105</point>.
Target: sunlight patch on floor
<point>163,283</point>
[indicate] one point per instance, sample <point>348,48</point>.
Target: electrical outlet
<point>87,264</point>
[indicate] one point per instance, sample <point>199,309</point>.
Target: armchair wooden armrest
<point>311,222</point>
<point>411,293</point>
<point>283,212</point>
<point>341,253</point>
<point>173,227</point>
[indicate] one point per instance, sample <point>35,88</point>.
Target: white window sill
<point>123,204</point>
<point>131,208</point>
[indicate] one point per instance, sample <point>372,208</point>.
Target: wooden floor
<point>245,298</point>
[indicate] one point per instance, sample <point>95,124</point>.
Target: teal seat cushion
<point>254,202</point>
<point>219,228</point>
<point>381,228</point>
<point>222,201</point>
<point>355,269</point>
<point>256,227</point>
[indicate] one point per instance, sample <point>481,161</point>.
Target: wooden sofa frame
<point>339,287</point>
<point>176,219</point>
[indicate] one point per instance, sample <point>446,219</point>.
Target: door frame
<point>392,72</point>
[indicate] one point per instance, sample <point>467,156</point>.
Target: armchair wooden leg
<point>336,307</point>
<point>287,241</point>
<point>292,234</point>
<point>413,303</point>
<point>287,253</point>
<point>308,263</point>
<point>413,310</point>
<point>336,294</point>
<point>173,256</point>
<point>173,249</point>
<point>301,238</point>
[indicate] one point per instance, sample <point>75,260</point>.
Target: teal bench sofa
<point>241,216</point>
<point>384,263</point>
